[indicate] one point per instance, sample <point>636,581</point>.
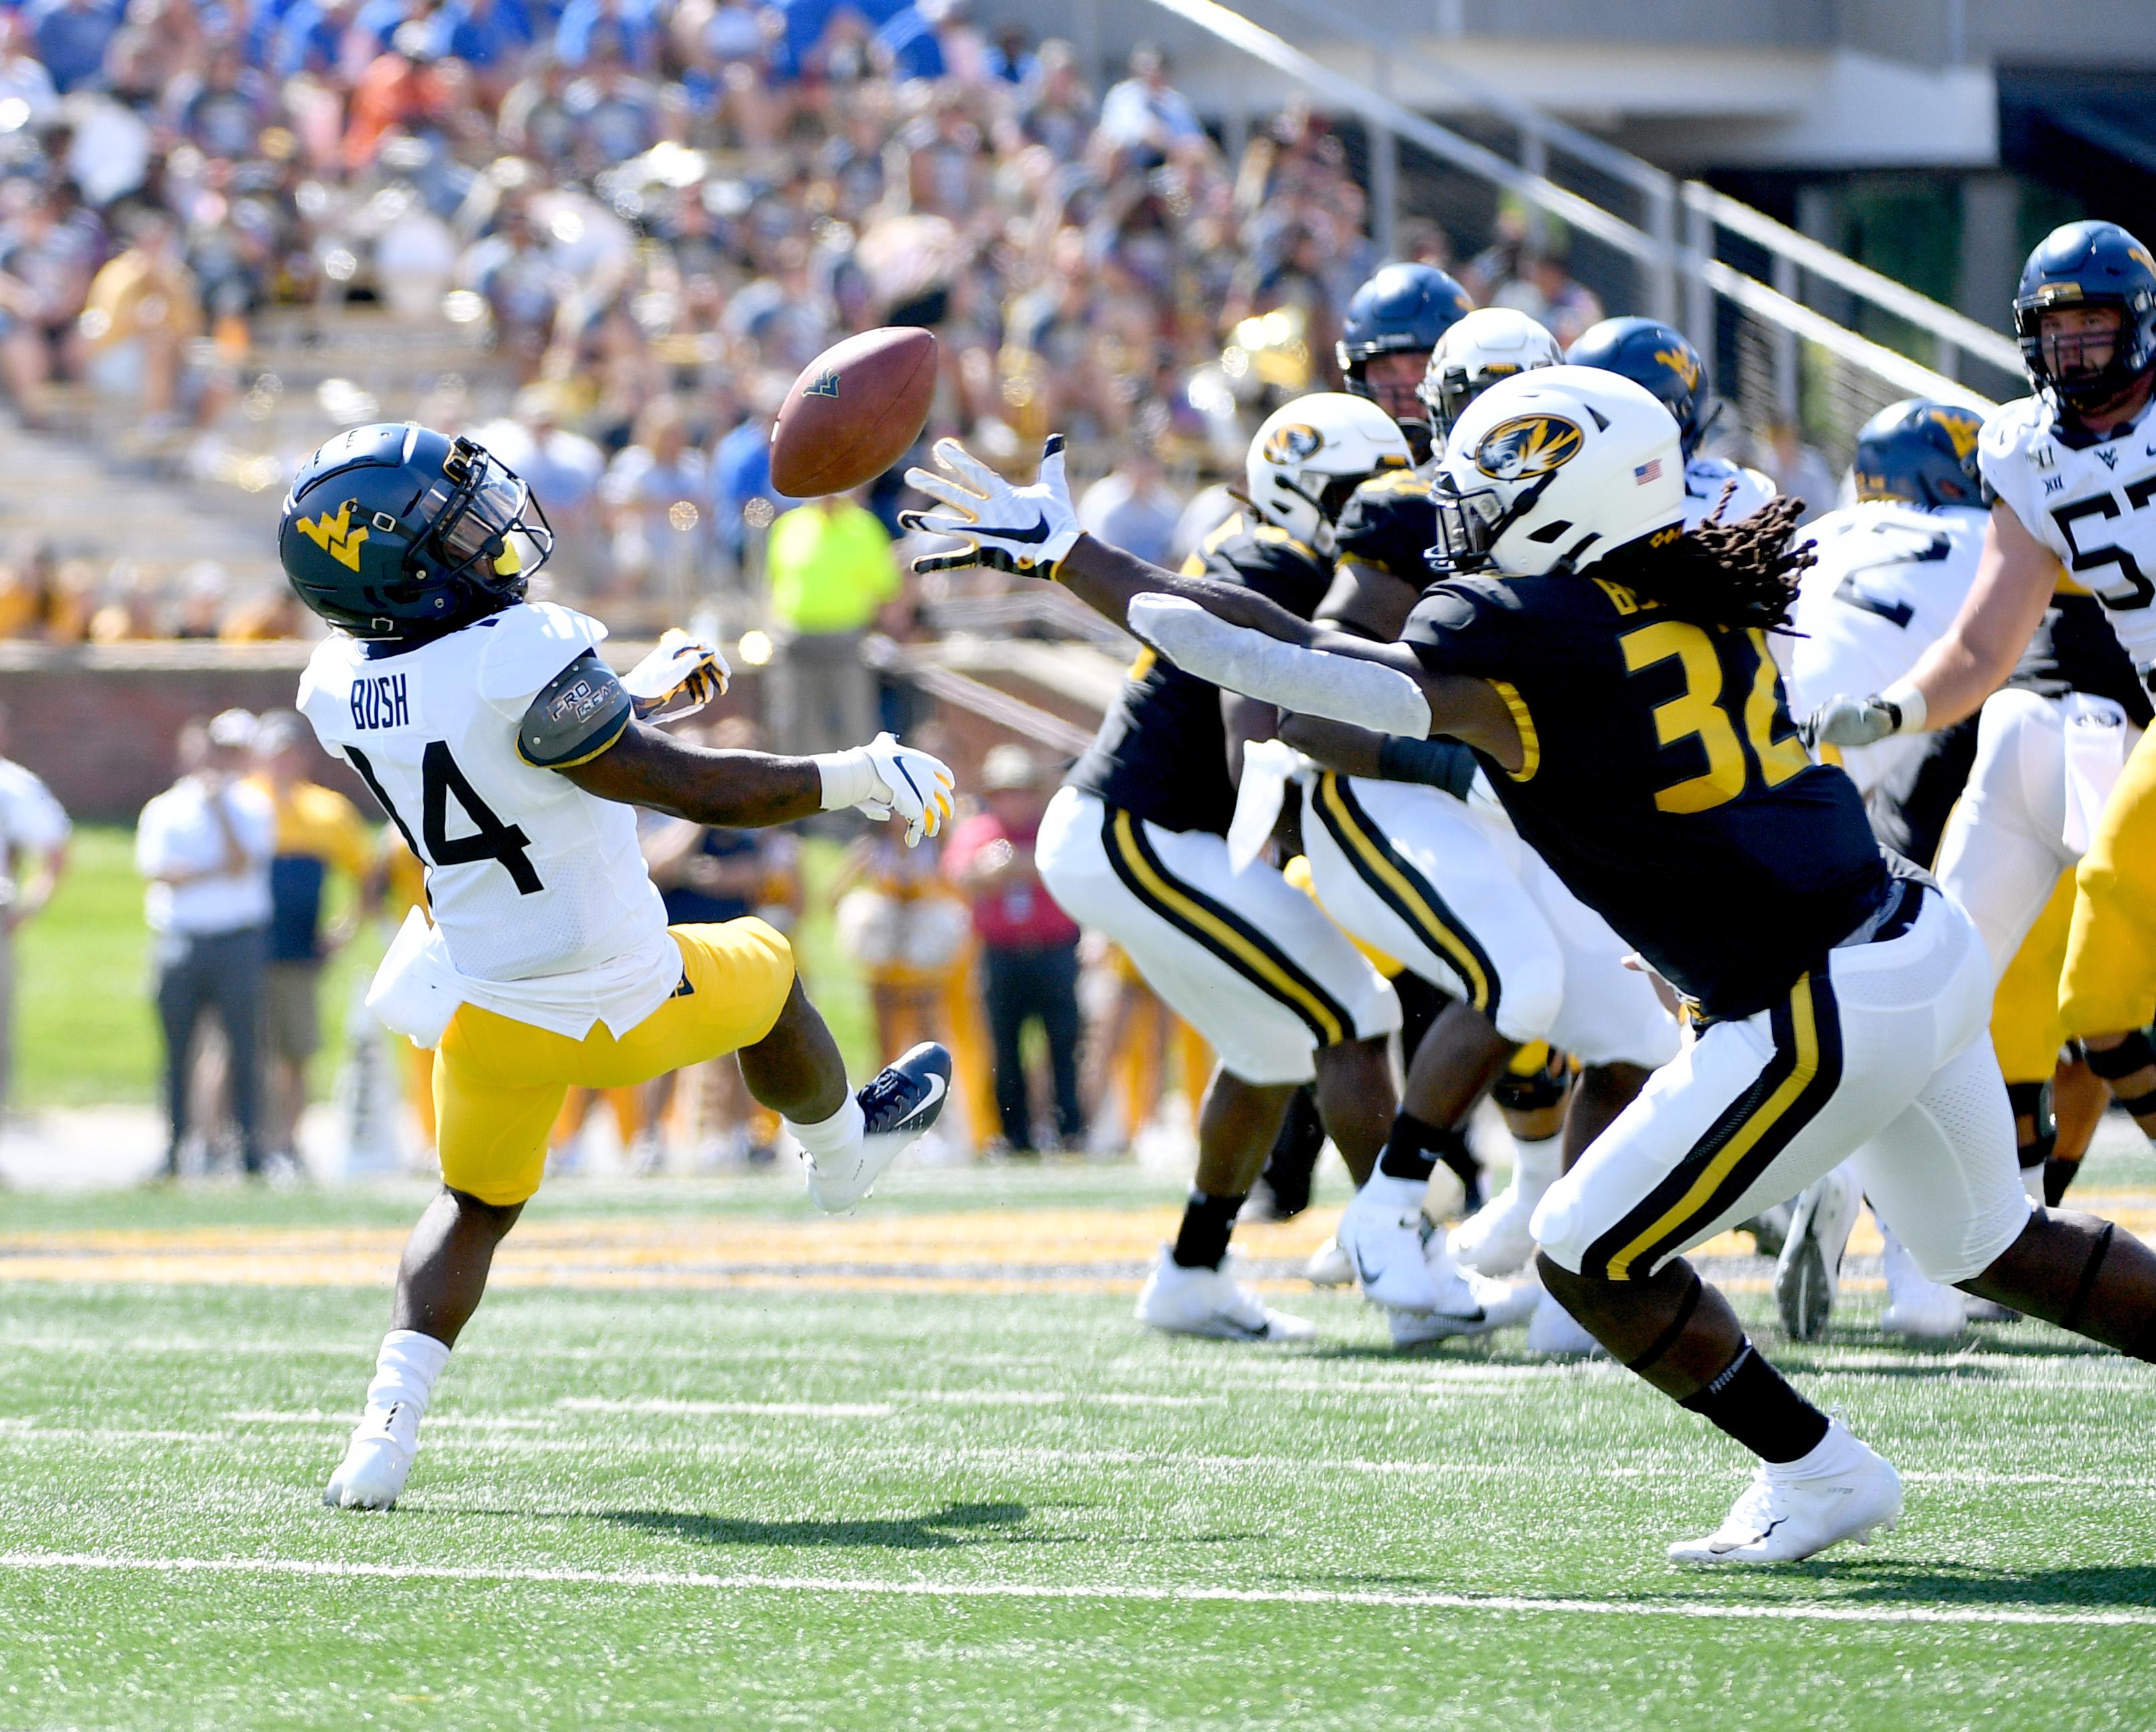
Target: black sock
<point>1755,1404</point>
<point>2058,1174</point>
<point>1202,1239</point>
<point>1414,1149</point>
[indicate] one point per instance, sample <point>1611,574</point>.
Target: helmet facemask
<point>472,511</point>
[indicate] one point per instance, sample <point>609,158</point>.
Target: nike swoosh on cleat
<point>937,1088</point>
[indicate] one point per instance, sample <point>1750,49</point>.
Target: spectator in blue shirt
<point>72,36</point>
<point>591,29</point>
<point>489,35</point>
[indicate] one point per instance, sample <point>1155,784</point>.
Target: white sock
<point>1535,1163</point>
<point>839,1134</point>
<point>1834,1454</point>
<point>405,1370</point>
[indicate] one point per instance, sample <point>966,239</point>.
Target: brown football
<point>853,412</point>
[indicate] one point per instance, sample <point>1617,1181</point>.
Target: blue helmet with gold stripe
<point>1921,452</point>
<point>1649,353</point>
<point>2087,265</point>
<point>394,531</point>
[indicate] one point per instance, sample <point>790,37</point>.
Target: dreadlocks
<point>1740,574</point>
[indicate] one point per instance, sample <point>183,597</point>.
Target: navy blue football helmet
<point>394,530</point>
<point>1921,453</point>
<point>1655,355</point>
<point>1402,310</point>
<point>2087,265</point>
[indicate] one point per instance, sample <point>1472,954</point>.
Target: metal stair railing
<point>1784,360</point>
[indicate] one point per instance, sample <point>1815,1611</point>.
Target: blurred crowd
<point>649,214</point>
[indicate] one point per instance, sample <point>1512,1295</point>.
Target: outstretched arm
<point>749,790</point>
<point>2016,575</point>
<point>1222,632</point>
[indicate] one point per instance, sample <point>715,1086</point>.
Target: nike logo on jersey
<point>380,701</point>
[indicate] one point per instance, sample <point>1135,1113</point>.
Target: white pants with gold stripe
<point>1450,889</point>
<point>1244,957</point>
<point>1881,1055</point>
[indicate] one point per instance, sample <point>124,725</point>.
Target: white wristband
<point>1909,702</point>
<point>849,777</point>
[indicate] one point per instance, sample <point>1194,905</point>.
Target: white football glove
<point>1849,722</point>
<point>677,678</point>
<point>883,779</point>
<point>1010,529</point>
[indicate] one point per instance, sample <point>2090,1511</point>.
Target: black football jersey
<point>1161,752</point>
<point>1664,781</point>
<point>1389,524</point>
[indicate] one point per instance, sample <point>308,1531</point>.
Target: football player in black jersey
<point>1135,844</point>
<point>1437,876</point>
<point>1610,672</point>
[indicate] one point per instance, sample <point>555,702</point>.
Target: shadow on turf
<point>954,1524</point>
<point>1946,1583</point>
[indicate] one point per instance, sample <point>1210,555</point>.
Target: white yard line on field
<point>346,1570</point>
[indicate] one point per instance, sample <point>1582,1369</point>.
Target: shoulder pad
<point>527,644</point>
<point>578,714</point>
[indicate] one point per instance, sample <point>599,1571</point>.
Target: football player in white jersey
<point>1659,356</point>
<point>1890,574</point>
<point>1415,858</point>
<point>2070,472</point>
<point>510,756</point>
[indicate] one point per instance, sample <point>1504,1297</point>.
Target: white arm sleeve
<point>1310,682</point>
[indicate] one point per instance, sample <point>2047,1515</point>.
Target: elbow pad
<point>1311,683</point>
<point>1443,764</point>
<point>578,714</point>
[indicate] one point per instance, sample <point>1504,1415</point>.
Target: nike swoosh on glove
<point>1025,530</point>
<point>883,779</point>
<point>1850,721</point>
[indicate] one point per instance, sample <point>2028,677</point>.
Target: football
<point>853,411</point>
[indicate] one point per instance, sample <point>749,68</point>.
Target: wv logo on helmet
<point>1526,445</point>
<point>335,535</point>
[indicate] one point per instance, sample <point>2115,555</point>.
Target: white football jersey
<point>1888,582</point>
<point>2090,504</point>
<point>1705,477</point>
<point>527,875</point>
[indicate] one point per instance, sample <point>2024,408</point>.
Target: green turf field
<point>856,1482</point>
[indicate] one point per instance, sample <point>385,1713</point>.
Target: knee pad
<point>2033,1101</point>
<point>1537,1090</point>
<point>2131,1054</point>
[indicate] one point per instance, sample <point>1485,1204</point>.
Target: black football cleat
<point>899,1105</point>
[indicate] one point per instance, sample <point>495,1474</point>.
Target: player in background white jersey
<point>510,756</point>
<point>1659,356</point>
<point>1891,573</point>
<point>2071,474</point>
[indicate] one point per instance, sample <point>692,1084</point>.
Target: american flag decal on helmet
<point>1650,470</point>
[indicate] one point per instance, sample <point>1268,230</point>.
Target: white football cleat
<point>898,1105</point>
<point>1779,1519</point>
<point>1917,1306</point>
<point>1555,1331</point>
<point>1468,1305</point>
<point>1808,1275</point>
<point>1387,1237</point>
<point>1769,1229</point>
<point>1328,1266</point>
<point>376,1462</point>
<point>1495,1239</point>
<point>1214,1303</point>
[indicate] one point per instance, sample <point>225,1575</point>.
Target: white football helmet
<point>1487,345</point>
<point>1551,470</point>
<point>1312,453</point>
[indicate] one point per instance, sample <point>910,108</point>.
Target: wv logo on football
<point>825,386</point>
<point>335,535</point>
